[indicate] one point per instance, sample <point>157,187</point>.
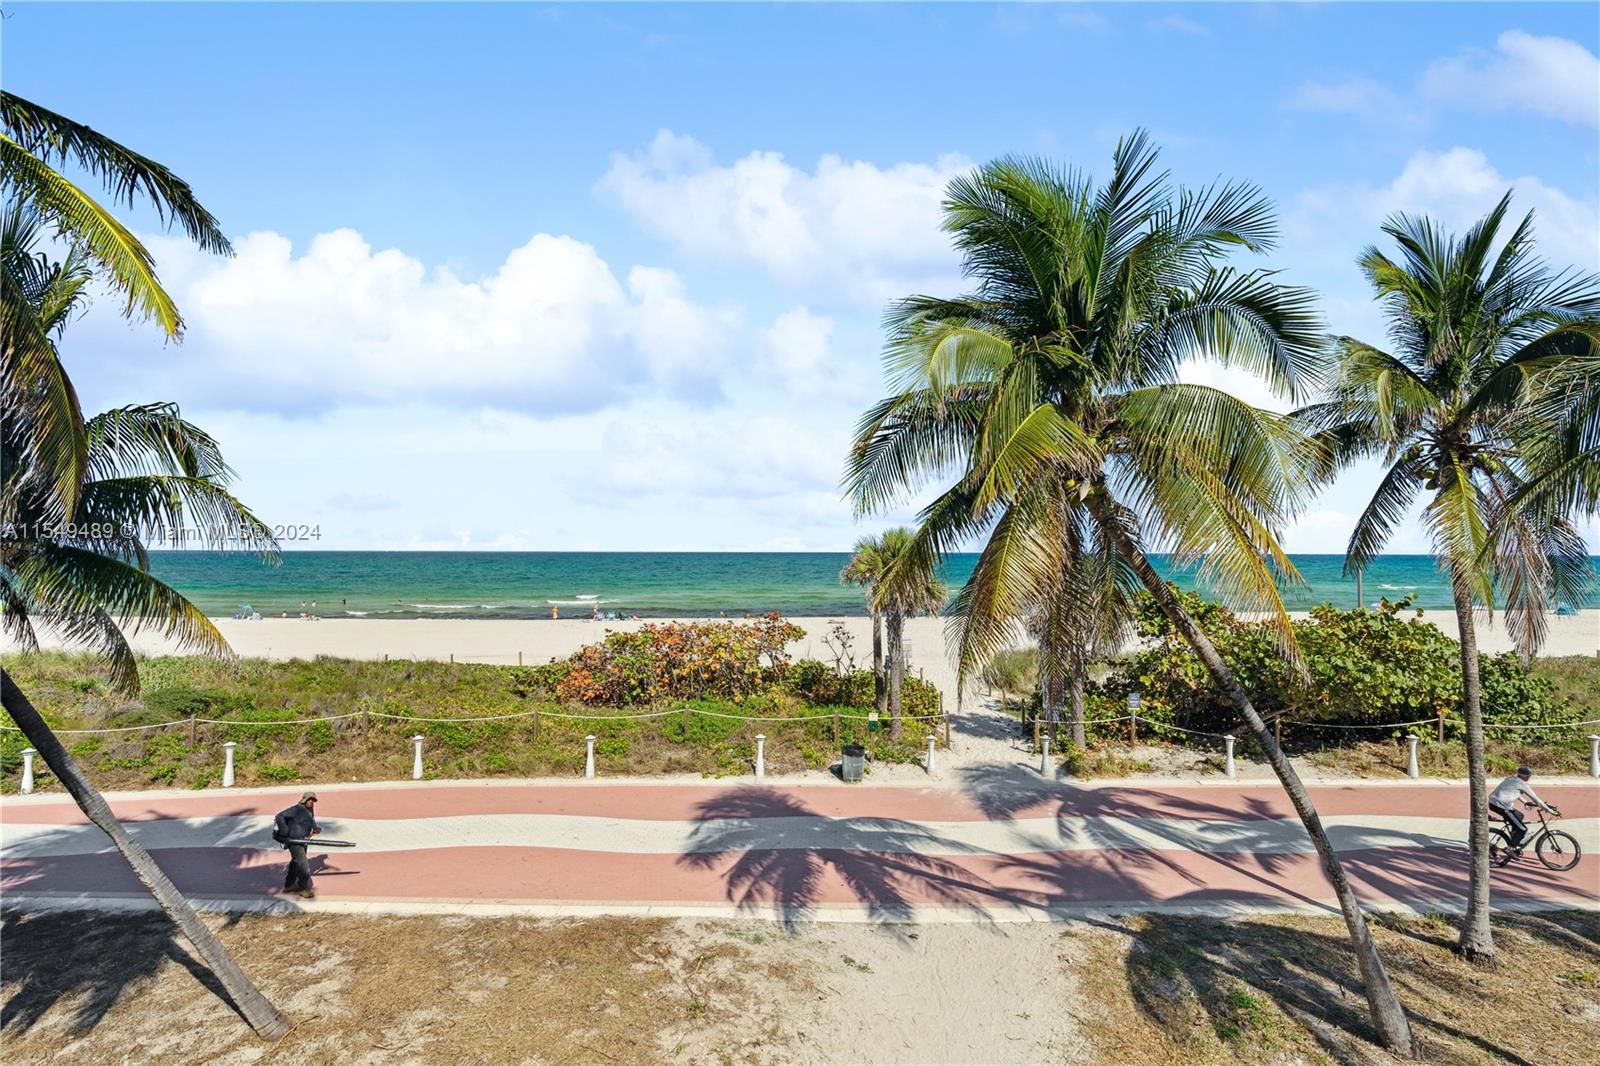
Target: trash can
<point>853,762</point>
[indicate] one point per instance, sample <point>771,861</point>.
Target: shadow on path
<point>787,855</point>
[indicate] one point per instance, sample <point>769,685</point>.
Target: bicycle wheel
<point>1499,847</point>
<point>1558,850</point>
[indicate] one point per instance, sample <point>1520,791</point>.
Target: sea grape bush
<point>678,660</point>
<point>1362,668</point>
<point>822,685</point>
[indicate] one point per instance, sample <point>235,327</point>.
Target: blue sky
<point>609,276</point>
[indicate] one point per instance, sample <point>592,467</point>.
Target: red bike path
<point>1009,844</point>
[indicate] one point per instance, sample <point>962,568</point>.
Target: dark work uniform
<point>296,823</point>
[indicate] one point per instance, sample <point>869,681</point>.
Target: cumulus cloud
<point>869,231</point>
<point>1361,96</point>
<point>1456,187</point>
<point>798,348</point>
<point>1550,76</point>
<point>552,328</point>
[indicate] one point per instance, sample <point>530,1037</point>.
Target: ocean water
<point>649,584</point>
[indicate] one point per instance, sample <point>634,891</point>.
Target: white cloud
<point>551,328</point>
<point>1550,76</point>
<point>798,349</point>
<point>651,474</point>
<point>1354,96</point>
<point>1178,24</point>
<point>870,231</point>
<point>1456,187</point>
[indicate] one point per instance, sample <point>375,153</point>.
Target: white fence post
<point>1594,755</point>
<point>416,757</point>
<point>930,753</point>
<point>227,764</point>
<point>1411,756</point>
<point>1229,767</point>
<point>761,755</point>
<point>588,760</point>
<point>1044,755</point>
<point>27,770</point>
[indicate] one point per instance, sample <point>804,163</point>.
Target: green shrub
<point>278,773</point>
<point>1370,667</point>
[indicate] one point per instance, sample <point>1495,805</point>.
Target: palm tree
<point>865,568</point>
<point>1051,394</point>
<point>903,590</point>
<point>78,495</point>
<point>34,141</point>
<point>1469,408</point>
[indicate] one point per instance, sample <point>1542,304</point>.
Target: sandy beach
<point>535,641</point>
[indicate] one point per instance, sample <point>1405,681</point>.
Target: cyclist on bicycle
<point>1503,801</point>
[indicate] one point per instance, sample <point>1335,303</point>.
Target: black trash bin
<point>853,762</point>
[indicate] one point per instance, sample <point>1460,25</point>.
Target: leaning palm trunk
<point>880,687</point>
<point>1477,939</point>
<point>1387,1013</point>
<point>263,1017</point>
<point>897,668</point>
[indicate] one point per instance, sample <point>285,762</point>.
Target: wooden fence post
<point>686,722</point>
<point>191,731</point>
<point>836,735</point>
<point>1441,727</point>
<point>1133,729</point>
<point>536,724</point>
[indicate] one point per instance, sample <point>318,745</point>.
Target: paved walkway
<point>1007,844</point>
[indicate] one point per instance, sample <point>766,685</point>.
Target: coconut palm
<point>1472,407</point>
<point>34,142</point>
<point>907,587</point>
<point>865,568</point>
<point>75,558</point>
<point>1051,395</point>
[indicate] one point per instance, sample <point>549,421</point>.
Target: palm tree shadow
<point>86,958</point>
<point>790,857</point>
<point>1227,967</point>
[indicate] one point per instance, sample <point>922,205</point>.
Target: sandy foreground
<point>534,641</point>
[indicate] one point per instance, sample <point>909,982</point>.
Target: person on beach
<point>1503,801</point>
<point>297,823</point>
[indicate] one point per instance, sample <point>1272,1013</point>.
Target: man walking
<point>297,823</point>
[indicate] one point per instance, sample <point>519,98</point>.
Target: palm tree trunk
<point>1477,939</point>
<point>880,685</point>
<point>1075,698</point>
<point>1053,691</point>
<point>1387,1014</point>
<point>263,1017</point>
<point>897,669</point>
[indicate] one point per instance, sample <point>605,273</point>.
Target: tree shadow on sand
<point>65,956</point>
<point>1232,970</point>
<point>786,855</point>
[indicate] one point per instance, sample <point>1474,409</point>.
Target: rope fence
<point>1228,739</point>
<point>641,716</point>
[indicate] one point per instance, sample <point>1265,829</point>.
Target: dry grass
<point>485,990</point>
<point>1284,989</point>
<point>1142,990</point>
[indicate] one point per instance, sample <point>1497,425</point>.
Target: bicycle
<point>1557,849</point>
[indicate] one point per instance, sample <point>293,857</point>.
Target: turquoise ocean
<point>370,584</point>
